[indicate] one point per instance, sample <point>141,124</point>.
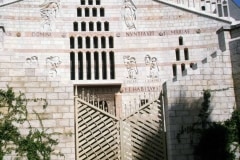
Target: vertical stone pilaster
<point>118,100</point>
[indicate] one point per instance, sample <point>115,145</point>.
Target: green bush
<point>215,140</point>
<point>38,144</point>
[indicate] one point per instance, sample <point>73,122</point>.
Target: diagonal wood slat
<point>97,133</point>
<point>146,139</point>
<point>102,136</point>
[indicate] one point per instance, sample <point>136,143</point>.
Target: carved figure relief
<point>130,63</point>
<point>48,11</point>
<point>52,64</point>
<point>129,14</point>
<point>32,61</point>
<point>151,62</point>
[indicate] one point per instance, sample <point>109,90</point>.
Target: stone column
<point>118,101</point>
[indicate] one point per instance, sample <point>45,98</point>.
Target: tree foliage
<point>216,140</point>
<point>37,144</point>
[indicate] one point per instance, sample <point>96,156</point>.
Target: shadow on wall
<point>235,59</point>
<point>180,112</point>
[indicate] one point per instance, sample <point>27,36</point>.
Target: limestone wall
<point>35,58</point>
<point>183,99</point>
<point>32,79</point>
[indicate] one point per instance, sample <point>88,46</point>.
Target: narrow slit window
<point>174,68</point>
<point>177,52</point>
<point>72,65</point>
<point>111,42</point>
<point>186,54</point>
<point>183,68</point>
<point>102,13</point>
<point>103,42</point>
<point>225,8</point>
<point>106,26</point>
<point>95,42</point>
<point>79,12</point>
<point>99,28</point>
<point>219,8</point>
<point>112,65</point>
<point>80,66</point>
<point>83,26</point>
<point>96,65</point>
<point>90,2</point>
<point>88,42</point>
<point>87,12</point>
<point>104,65</point>
<point>91,26</point>
<point>80,42</point>
<point>180,39</point>
<point>72,45</point>
<point>94,12</point>
<point>82,2</point>
<point>75,26</point>
<point>97,2</point>
<point>88,65</point>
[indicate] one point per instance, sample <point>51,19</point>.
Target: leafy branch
<point>38,144</point>
<point>216,140</point>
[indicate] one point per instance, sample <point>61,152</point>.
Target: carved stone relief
<point>129,13</point>
<point>32,61</point>
<point>130,63</point>
<point>151,62</point>
<point>48,11</point>
<point>53,63</point>
<point>151,65</point>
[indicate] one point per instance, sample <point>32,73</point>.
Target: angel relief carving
<point>48,11</point>
<point>32,61</point>
<point>131,65</point>
<point>129,13</point>
<point>151,62</point>
<point>53,62</point>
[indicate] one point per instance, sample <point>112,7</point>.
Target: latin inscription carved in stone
<point>159,33</point>
<point>41,34</point>
<point>139,34</point>
<point>140,89</point>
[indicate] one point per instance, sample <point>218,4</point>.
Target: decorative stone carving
<point>48,11</point>
<point>32,61</point>
<point>129,13</point>
<point>151,62</point>
<point>53,63</point>
<point>130,63</point>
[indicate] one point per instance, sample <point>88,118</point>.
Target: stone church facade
<point>125,53</point>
